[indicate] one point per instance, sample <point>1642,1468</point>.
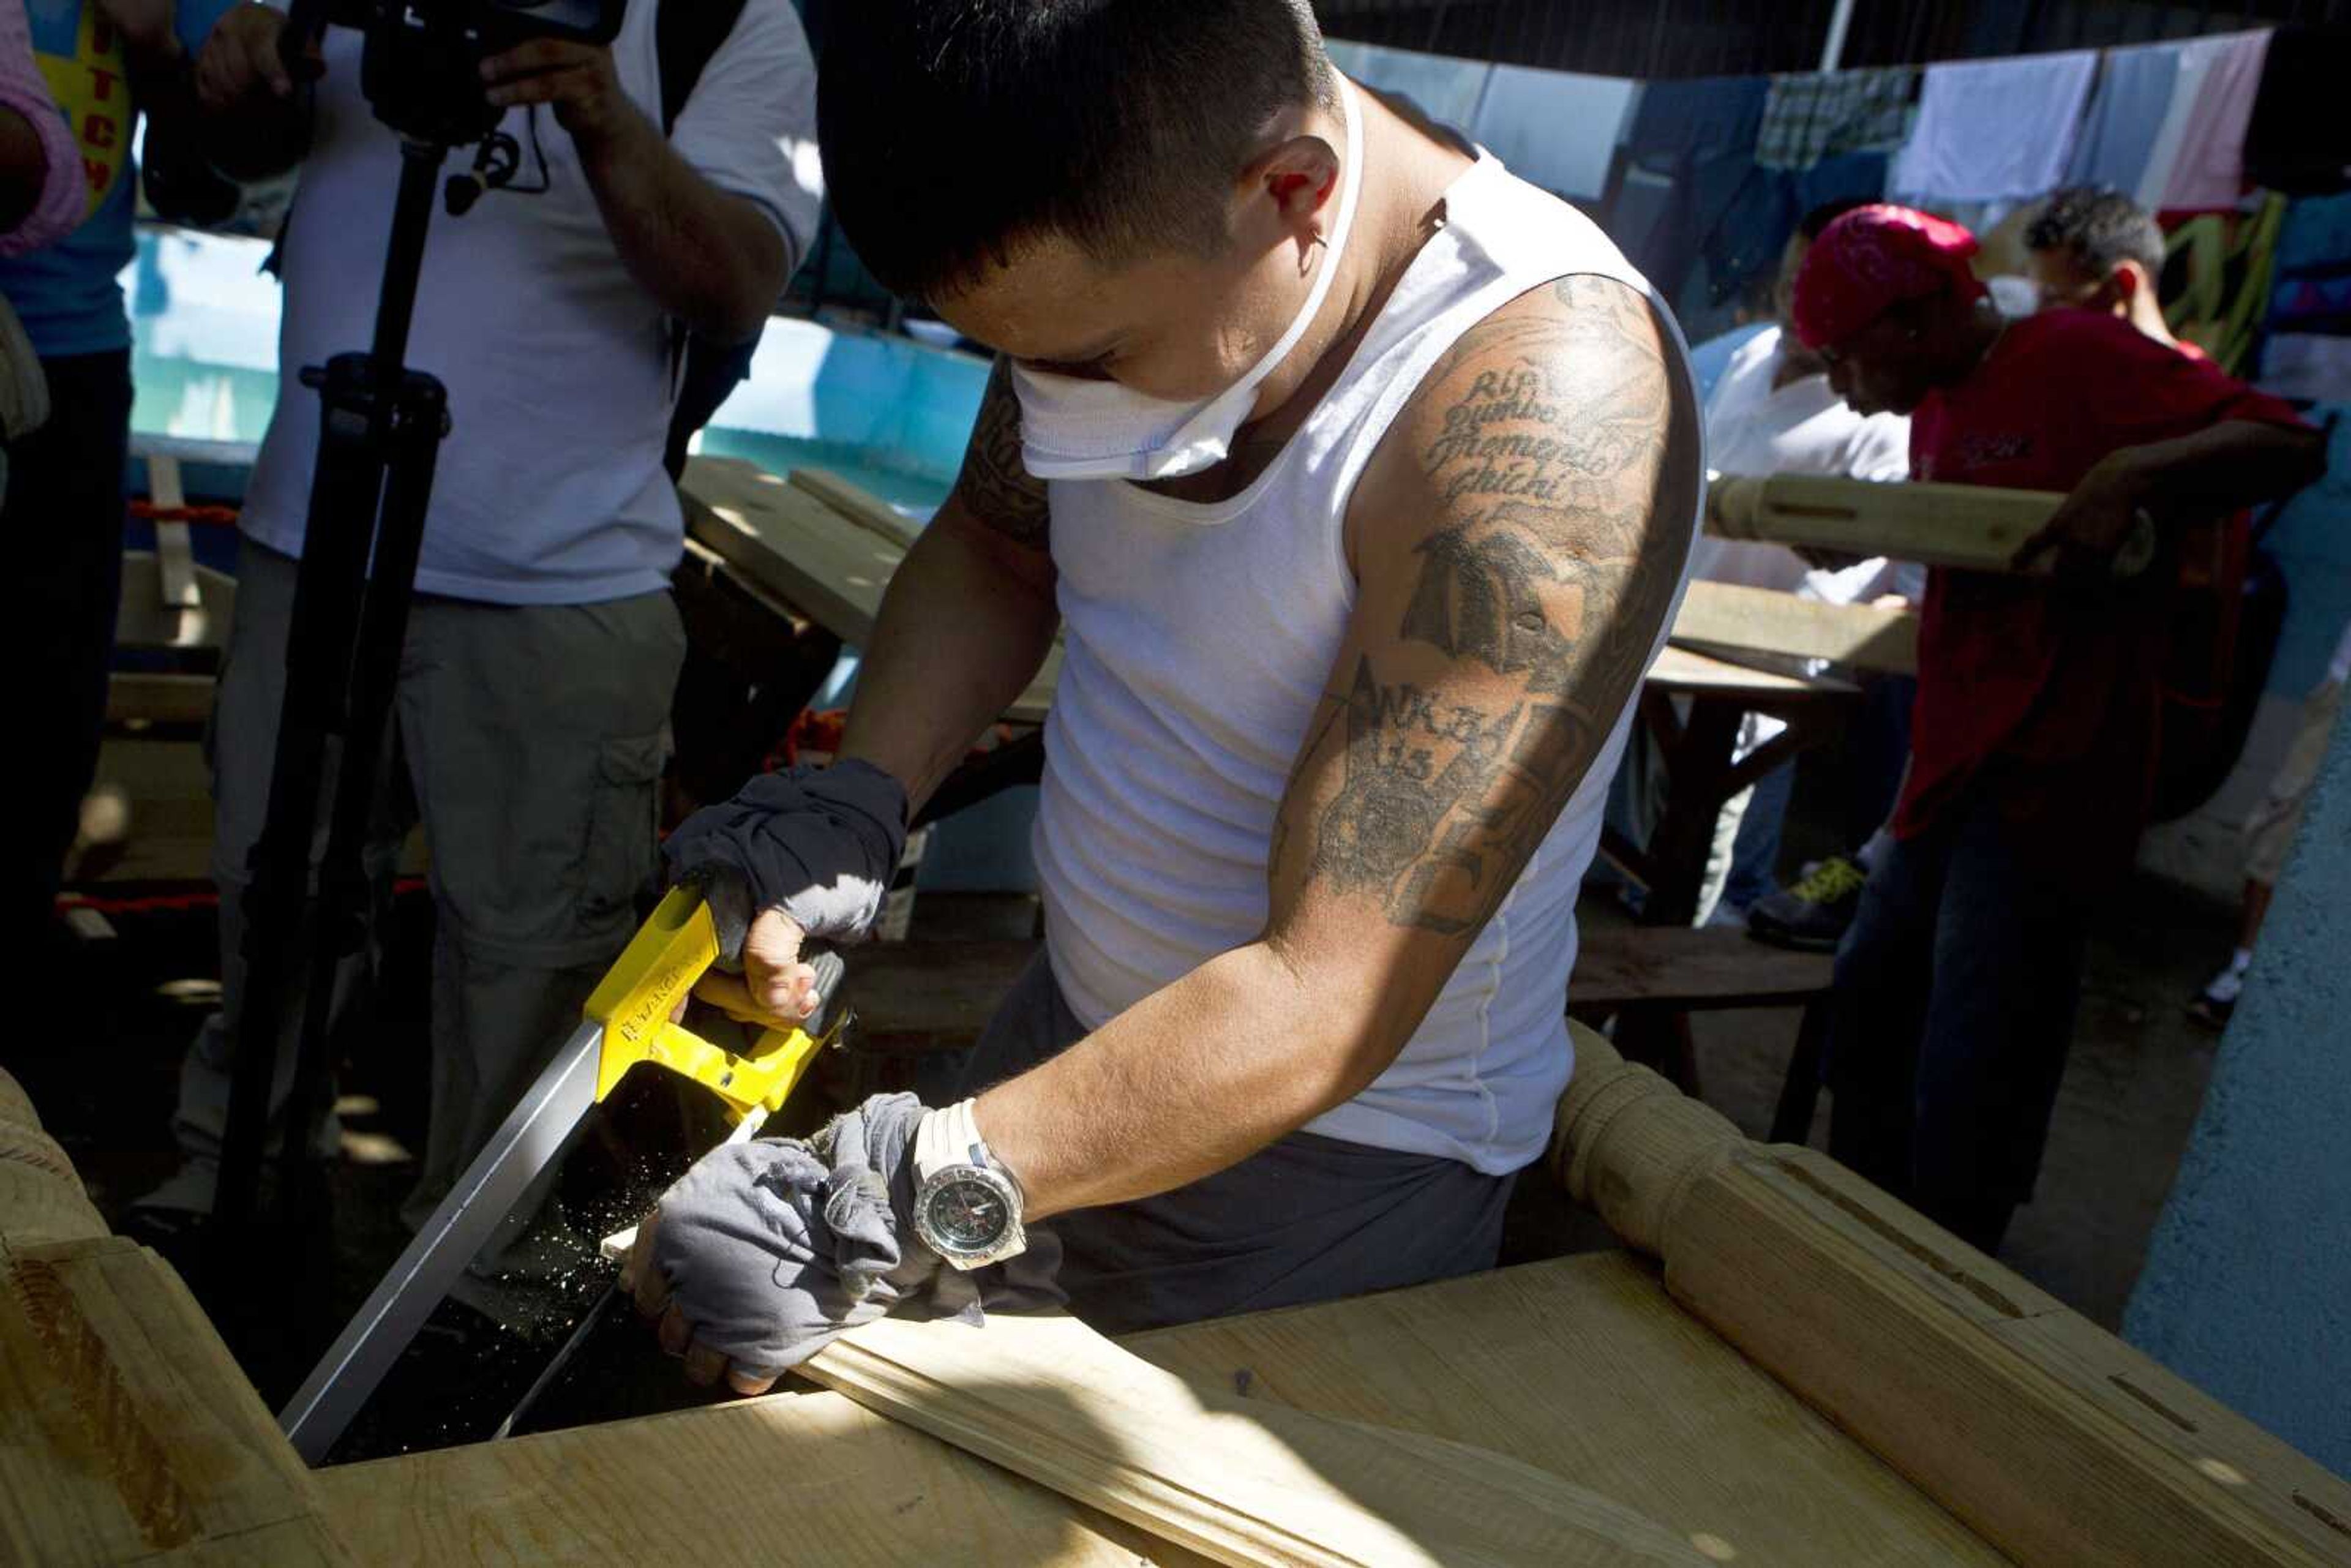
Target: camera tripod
<point>381,428</point>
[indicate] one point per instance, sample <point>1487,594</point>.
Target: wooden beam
<point>1239,1482</point>
<point>127,1435</point>
<point>1975,527</point>
<point>793,1478</point>
<point>2052,1439</point>
<point>1737,619</point>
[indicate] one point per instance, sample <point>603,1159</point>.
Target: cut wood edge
<point>1239,1480</point>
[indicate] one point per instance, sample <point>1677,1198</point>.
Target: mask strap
<point>1350,187</point>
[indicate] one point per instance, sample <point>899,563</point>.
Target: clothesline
<point>2165,121</point>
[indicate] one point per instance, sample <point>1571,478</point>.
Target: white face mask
<point>1074,427</point>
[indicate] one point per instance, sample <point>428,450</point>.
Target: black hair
<point>953,130</point>
<point>2099,229</point>
<point>1814,224</point>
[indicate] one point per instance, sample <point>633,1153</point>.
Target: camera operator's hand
<point>145,24</point>
<point>242,59</point>
<point>579,79</point>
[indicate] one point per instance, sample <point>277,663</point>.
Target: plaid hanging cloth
<point>1813,115</point>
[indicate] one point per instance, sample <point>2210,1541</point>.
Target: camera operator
<point>529,729</point>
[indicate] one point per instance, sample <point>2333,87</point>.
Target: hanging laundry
<point>1688,153</point>
<point>1558,129</point>
<point>1818,114</point>
<point>2127,112</point>
<point>2209,172</point>
<point>2300,138</point>
<point>1444,88</point>
<point>2311,291</point>
<point>1995,130</point>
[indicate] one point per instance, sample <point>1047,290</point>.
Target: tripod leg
<point>418,420</point>
<point>319,650</point>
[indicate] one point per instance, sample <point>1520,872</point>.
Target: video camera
<point>422,67</point>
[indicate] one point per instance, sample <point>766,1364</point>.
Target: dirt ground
<point>104,1078</point>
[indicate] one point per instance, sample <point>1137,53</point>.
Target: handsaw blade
<point>526,1144</point>
<point>744,1130</point>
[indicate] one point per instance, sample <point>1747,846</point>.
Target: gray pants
<point>1309,1219</point>
<point>529,741</point>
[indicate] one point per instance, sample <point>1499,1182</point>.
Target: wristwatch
<point>967,1204</point>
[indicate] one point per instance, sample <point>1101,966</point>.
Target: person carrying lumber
<point>2033,737</point>
<point>1360,476</point>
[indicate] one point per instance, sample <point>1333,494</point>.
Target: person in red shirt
<point>2032,739</point>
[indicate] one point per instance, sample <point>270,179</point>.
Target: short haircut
<point>1811,225</point>
<point>955,130</point>
<point>2099,229</point>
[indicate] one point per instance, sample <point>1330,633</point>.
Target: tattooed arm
<point>1517,540</point>
<point>968,618</point>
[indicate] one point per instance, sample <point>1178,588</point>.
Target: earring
<point>1306,258</point>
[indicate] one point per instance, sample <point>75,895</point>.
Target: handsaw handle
<point>670,952</point>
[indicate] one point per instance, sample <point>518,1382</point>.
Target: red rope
<point>204,516</point>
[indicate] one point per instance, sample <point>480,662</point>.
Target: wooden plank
<point>1691,967</point>
<point>1585,1368</point>
<point>173,551</point>
<point>799,1477</point>
<point>1972,527</point>
<point>126,1432</point>
<point>1679,669</point>
<point>1915,1343</point>
<point>791,544</point>
<point>866,510</point>
<point>1763,620</point>
<point>810,555</point>
<point>1241,1482</point>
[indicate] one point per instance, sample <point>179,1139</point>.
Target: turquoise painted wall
<point>2247,1289</point>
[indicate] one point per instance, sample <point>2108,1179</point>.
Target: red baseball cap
<point>1872,259</point>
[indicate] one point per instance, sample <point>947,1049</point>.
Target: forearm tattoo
<point>995,484</point>
<point>1568,466</point>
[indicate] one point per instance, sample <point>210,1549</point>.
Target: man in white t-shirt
<point>543,648</point>
<point>1772,411</point>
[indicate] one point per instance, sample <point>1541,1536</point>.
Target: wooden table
<point>1781,1366</point>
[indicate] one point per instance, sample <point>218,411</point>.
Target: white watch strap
<point>947,1137</point>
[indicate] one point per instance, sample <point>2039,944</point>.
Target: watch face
<point>969,1216</point>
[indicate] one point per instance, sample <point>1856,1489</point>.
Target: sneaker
<point>1815,913</point>
<point>2212,1006</point>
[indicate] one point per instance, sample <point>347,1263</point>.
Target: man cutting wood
<point>1360,476</point>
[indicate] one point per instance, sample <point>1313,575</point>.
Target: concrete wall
<point>2247,1289</point>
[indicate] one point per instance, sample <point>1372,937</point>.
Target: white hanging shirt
<point>1200,638</point>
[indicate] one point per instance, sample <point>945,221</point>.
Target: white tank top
<point>1200,638</point>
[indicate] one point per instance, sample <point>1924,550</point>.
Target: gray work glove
<point>820,844</point>
<point>767,1252</point>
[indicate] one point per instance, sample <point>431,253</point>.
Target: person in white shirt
<point>543,648</point>
<point>1359,476</point>
<point>1772,411</point>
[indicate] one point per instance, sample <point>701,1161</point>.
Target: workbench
<point>1778,1366</point>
